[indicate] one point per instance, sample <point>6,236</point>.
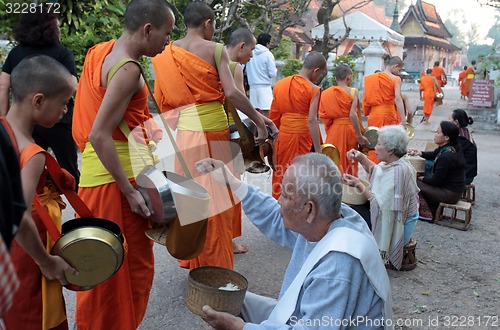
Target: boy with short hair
<point>339,112</point>
<point>41,89</point>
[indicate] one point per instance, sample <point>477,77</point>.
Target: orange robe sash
<point>334,110</point>
<point>384,109</point>
<point>289,109</point>
<point>438,72</point>
<point>294,123</point>
<point>43,298</point>
<point>121,301</point>
<point>469,76</point>
<point>184,80</point>
<point>89,98</point>
<point>379,89</point>
<point>461,82</point>
<point>427,85</point>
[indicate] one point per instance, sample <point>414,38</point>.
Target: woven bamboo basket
<point>418,163</point>
<point>352,196</point>
<point>203,289</point>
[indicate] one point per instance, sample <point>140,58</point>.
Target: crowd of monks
<point>194,76</point>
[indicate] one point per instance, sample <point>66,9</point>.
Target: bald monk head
<point>314,66</point>
<point>142,12</point>
<point>148,25</point>
<point>40,74</point>
<point>198,13</point>
<point>240,45</point>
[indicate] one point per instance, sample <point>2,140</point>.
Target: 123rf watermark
<point>490,321</point>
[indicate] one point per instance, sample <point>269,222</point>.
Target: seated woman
<point>393,193</point>
<point>447,182</point>
<point>469,149</point>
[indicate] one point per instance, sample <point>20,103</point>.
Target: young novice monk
<point>428,87</point>
<point>41,88</point>
<point>294,111</point>
<point>338,109</point>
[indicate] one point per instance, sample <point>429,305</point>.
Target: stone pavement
<point>265,263</point>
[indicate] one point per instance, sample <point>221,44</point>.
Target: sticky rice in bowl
<point>220,288</point>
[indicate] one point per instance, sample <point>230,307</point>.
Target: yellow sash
<point>53,308</point>
<point>294,123</point>
<point>206,117</point>
<point>471,76</point>
<point>94,173</point>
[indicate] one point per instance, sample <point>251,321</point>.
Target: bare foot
<point>239,248</point>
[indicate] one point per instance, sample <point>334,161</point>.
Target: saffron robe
<point>121,301</point>
<point>290,112</point>
<point>469,76</point>
<point>379,103</point>
<point>461,82</point>
<point>190,95</point>
<point>438,72</point>
<point>38,303</point>
<point>334,111</point>
<point>428,86</point>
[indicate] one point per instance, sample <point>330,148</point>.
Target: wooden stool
<point>452,221</point>
<point>469,194</point>
<point>409,257</point>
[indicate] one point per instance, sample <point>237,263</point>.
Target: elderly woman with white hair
<point>393,193</point>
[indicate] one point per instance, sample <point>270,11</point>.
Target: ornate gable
<point>430,19</point>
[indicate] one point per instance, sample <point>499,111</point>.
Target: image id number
<point>31,8</point>
<point>470,321</point>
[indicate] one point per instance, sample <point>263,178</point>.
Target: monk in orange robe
<point>294,111</point>
<point>461,83</point>
<point>382,100</point>
<point>111,100</point>
<point>438,73</point>
<point>39,301</point>
<point>339,111</point>
<point>428,88</point>
<point>191,93</point>
<point>469,76</point>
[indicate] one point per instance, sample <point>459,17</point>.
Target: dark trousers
<point>60,140</point>
<point>434,195</point>
<point>364,211</point>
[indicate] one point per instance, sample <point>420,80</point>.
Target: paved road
<point>265,263</point>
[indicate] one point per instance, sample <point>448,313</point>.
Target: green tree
<point>259,16</point>
<point>476,52</point>
<point>84,25</point>
<point>292,66</point>
<point>494,32</point>
<point>457,37</point>
<point>284,49</point>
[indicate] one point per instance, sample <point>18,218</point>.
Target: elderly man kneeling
<point>335,278</point>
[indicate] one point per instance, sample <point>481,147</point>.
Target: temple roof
<point>370,9</point>
<point>428,18</point>
<point>431,41</point>
<point>298,36</point>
